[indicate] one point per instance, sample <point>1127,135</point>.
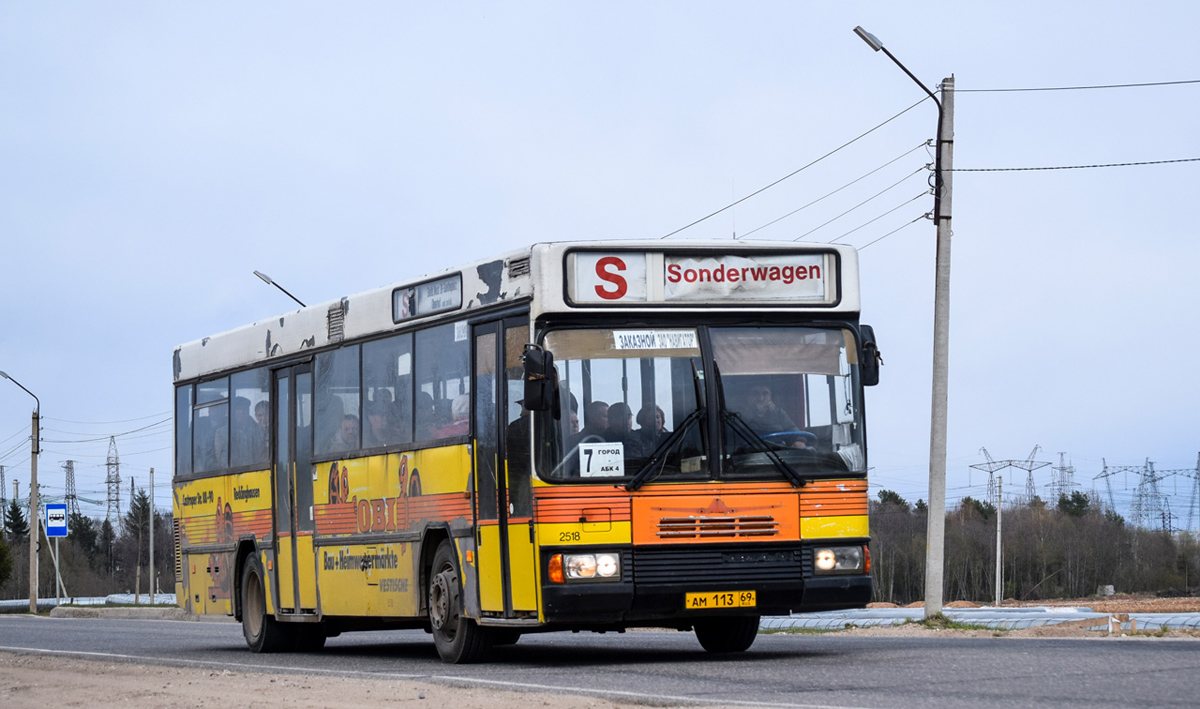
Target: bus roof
<point>608,276</point>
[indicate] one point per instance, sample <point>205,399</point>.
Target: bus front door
<point>504,500</point>
<point>295,564</point>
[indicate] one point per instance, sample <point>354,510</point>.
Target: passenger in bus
<point>765,418</point>
<point>424,415</point>
<point>346,438</point>
<point>382,429</point>
<point>458,423</point>
<point>262,416</point>
<point>248,444</point>
<point>620,429</point>
<point>651,430</point>
<point>595,423</point>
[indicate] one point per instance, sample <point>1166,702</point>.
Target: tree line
<point>1066,550</point>
<point>97,558</point>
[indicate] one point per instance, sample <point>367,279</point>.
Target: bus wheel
<point>727,634</point>
<point>263,633</point>
<point>504,636</point>
<point>310,637</point>
<point>458,638</point>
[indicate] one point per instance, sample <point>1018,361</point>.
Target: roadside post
<point>56,527</point>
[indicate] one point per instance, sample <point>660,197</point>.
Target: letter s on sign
<point>616,279</point>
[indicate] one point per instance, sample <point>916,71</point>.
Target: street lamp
<point>936,523</point>
<point>267,279</point>
<point>34,505</point>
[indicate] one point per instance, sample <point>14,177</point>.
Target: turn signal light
<point>556,569</point>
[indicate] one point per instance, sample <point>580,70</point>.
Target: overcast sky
<point>152,156</point>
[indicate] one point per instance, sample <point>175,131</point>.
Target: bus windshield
<point>629,399</point>
<point>633,404</point>
<point>788,397</point>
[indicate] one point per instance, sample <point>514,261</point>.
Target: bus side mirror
<point>540,378</point>
<point>869,359</point>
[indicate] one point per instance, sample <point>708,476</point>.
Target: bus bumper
<point>627,603</point>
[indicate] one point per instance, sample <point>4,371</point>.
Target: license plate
<point>723,599</point>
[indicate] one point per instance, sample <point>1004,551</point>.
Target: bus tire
<point>459,640</point>
<point>310,637</point>
<point>504,636</point>
<point>733,634</point>
<point>263,633</point>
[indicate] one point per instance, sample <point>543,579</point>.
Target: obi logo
<point>609,269</point>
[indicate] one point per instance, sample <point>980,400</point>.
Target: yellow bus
<point>573,436</point>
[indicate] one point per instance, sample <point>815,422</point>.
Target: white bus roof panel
<point>664,276</point>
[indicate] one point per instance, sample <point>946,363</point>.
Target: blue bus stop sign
<point>56,520</point>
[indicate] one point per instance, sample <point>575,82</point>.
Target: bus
<point>574,436</point>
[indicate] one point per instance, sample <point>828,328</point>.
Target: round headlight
<point>581,566</point>
<point>606,565</point>
<point>826,559</point>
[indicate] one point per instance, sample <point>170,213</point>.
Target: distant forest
<point>100,557</point>
<point>1068,549</point>
<point>1065,550</point>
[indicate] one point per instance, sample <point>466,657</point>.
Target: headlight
<point>582,567</point>
<point>839,560</point>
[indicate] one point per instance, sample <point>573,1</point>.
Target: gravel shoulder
<point>40,681</point>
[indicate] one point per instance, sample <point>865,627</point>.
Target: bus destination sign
<point>663,277</point>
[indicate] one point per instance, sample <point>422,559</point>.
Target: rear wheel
<point>310,637</point>
<point>458,638</point>
<point>504,636</point>
<point>734,634</point>
<point>263,633</point>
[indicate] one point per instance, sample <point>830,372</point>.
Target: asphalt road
<point>671,668</point>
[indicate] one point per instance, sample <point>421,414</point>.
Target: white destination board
<point>601,460</point>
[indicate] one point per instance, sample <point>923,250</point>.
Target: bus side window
<point>183,430</point>
<point>338,414</point>
<point>387,383</point>
<point>442,365</point>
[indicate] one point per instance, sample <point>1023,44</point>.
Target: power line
<point>1081,88</point>
<point>796,172</point>
<point>881,216</point>
<point>830,194</point>
<point>102,438</point>
<point>106,423</point>
<point>1071,167</point>
<point>926,215</point>
<point>868,199</point>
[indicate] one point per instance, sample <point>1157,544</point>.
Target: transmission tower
<point>1147,507</point>
<point>71,498</point>
<point>993,466</point>
<point>113,480</point>
<point>1193,503</point>
<point>1062,481</point>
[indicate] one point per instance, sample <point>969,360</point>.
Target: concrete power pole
<point>151,536</point>
<point>935,553</point>
<point>999,566</point>
<point>34,514</point>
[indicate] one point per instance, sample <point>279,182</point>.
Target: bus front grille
<point>717,527</point>
<point>725,563</point>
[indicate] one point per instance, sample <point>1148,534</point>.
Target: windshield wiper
<point>660,451</point>
<point>761,445</point>
<point>751,436</point>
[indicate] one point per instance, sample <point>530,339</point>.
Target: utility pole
<point>34,515</point>
<point>151,536</point>
<point>999,566</point>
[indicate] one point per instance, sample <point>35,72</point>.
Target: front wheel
<point>735,634</point>
<point>458,639</point>
<point>263,633</point>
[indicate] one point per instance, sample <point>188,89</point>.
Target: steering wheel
<point>810,439</point>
